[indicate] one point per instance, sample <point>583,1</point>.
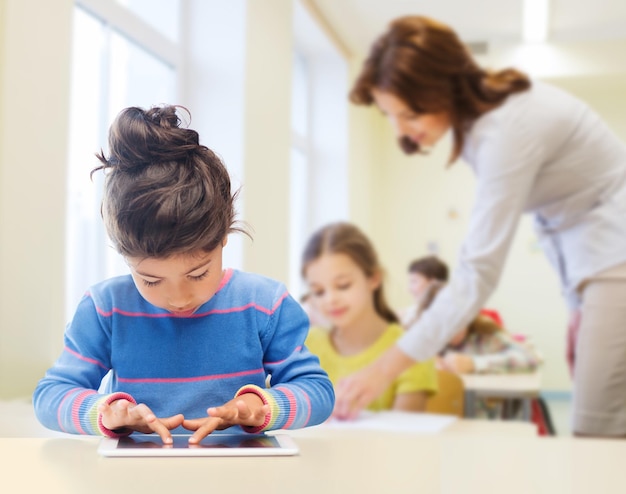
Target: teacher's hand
<point>355,392</point>
<point>457,362</point>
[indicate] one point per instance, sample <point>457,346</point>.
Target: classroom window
<point>110,71</point>
<point>162,16</point>
<point>319,158</point>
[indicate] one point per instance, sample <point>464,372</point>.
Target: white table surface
<point>522,386</point>
<point>346,462</point>
<point>467,456</point>
<point>503,385</point>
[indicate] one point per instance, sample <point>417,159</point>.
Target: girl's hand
<point>122,414</point>
<point>247,409</point>
<point>458,362</point>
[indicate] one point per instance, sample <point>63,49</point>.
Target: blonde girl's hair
<point>424,63</point>
<point>346,238</point>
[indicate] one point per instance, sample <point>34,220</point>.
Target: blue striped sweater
<point>249,329</point>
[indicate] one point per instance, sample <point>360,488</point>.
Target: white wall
<point>34,102</point>
<point>365,144</point>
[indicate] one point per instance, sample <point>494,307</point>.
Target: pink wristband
<point>110,399</point>
<point>251,388</point>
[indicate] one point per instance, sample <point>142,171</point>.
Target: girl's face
<point>181,283</point>
<point>424,129</point>
<point>418,284</point>
<point>340,289</point>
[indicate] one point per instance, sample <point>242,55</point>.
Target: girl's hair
<point>164,193</point>
<point>483,325</point>
<point>433,288</point>
<point>345,238</point>
<point>424,63</point>
<point>431,267</point>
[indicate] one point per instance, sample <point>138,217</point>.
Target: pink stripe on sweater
<point>86,359</point>
<point>293,407</point>
<point>76,409</point>
<point>65,398</point>
<point>170,380</point>
<point>308,403</point>
<point>308,415</point>
<point>251,305</point>
<point>228,274</point>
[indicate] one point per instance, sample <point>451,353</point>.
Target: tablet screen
<point>216,441</point>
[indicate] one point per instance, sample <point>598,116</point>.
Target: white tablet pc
<point>212,445</point>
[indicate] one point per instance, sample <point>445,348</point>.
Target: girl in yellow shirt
<point>345,284</point>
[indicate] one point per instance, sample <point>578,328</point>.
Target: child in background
<point>485,347</point>
<point>345,281</point>
<point>421,273</point>
<point>482,347</point>
<point>188,343</point>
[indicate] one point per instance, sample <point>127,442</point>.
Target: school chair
<point>450,398</point>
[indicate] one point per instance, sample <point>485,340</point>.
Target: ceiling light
<point>535,20</point>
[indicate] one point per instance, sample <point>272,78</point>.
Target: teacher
<point>533,148</point>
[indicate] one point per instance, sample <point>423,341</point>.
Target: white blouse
<point>544,152</point>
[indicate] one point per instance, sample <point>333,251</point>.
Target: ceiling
<point>358,22</point>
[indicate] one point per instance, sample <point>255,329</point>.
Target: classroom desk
<point>507,386</point>
<point>332,461</point>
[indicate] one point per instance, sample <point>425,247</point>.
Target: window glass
<point>137,78</point>
<point>319,163</point>
<point>298,220</point>
<point>161,15</point>
<point>88,53</point>
<point>299,96</point>
<point>109,73</point>
<point>298,200</point>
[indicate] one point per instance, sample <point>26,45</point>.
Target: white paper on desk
<point>393,421</point>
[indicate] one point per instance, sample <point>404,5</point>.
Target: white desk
<point>331,462</point>
<point>507,386</point>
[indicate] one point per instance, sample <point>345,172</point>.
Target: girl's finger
<point>202,432</point>
<point>225,413</point>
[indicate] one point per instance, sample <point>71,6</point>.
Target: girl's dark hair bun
<point>138,138</point>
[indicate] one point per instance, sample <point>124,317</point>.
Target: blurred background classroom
<point>266,82</point>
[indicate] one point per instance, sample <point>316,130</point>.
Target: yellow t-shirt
<point>420,377</point>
